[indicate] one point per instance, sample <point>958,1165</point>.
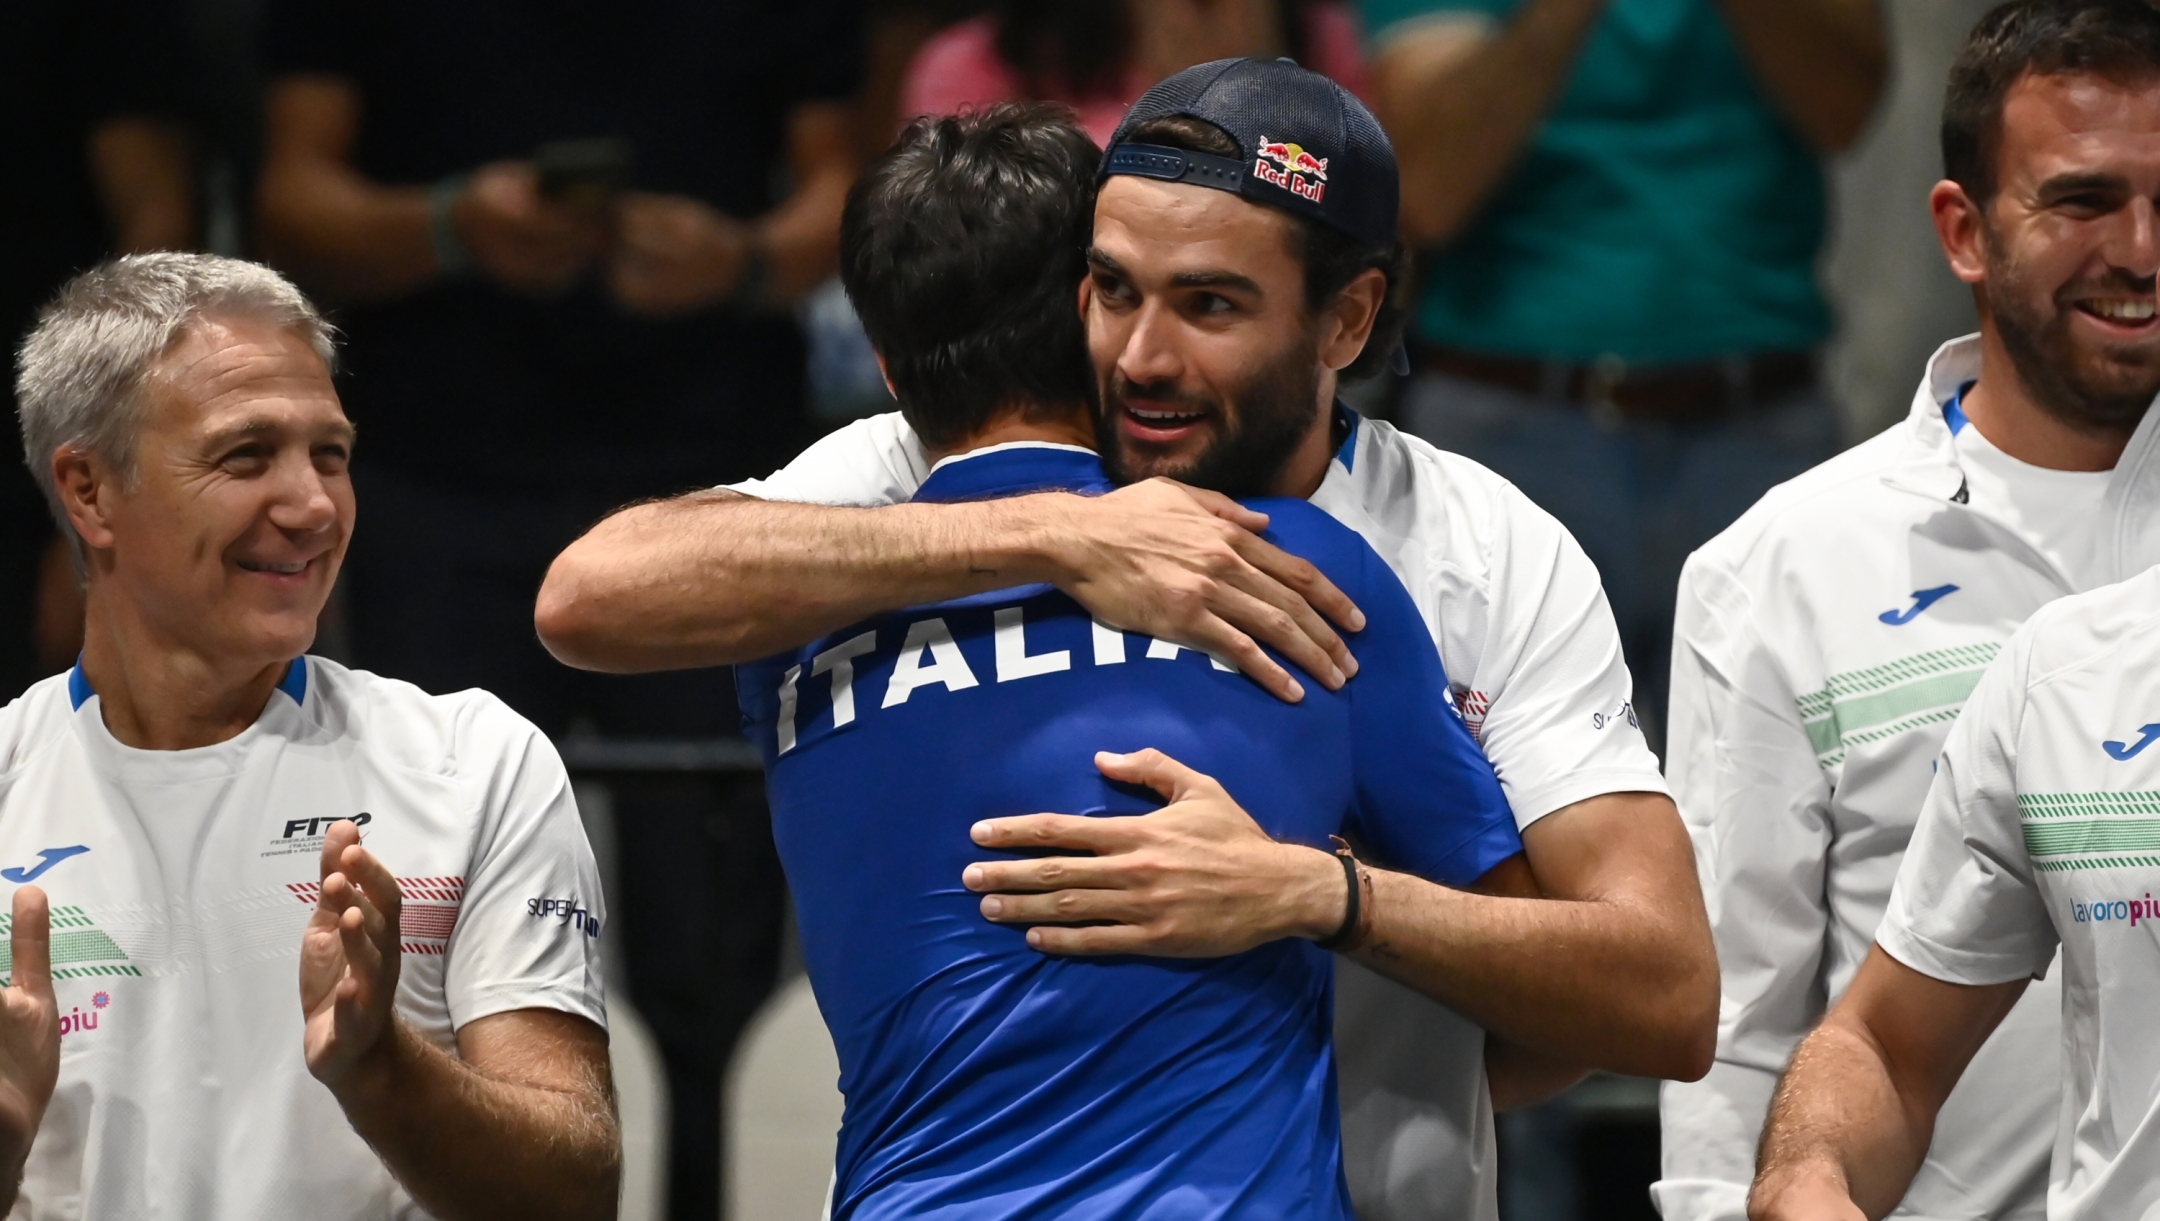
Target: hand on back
<point>1197,878</point>
<point>1188,565</point>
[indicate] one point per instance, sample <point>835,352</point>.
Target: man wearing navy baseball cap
<point>1243,262</point>
<point>1299,145</point>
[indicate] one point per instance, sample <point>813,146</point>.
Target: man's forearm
<point>1460,114</point>
<point>356,238</point>
<point>1614,984</point>
<point>469,1146</point>
<point>1853,1117</point>
<point>1838,1129</point>
<point>1518,1078</point>
<point>1823,61</point>
<point>1608,964</point>
<point>801,237</point>
<point>716,578</point>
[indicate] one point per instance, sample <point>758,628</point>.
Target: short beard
<point>1274,412</point>
<point>2105,390</point>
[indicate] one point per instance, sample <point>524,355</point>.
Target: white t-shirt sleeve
<point>873,461</point>
<point>1559,723</point>
<point>528,931</point>
<point>1756,804</point>
<point>1965,908</point>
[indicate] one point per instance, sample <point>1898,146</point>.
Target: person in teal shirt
<point>1620,206</point>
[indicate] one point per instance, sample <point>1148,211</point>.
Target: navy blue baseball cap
<point>1307,145</point>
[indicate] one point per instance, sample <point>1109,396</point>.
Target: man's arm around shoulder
<point>1615,971</point>
<point>715,578</point>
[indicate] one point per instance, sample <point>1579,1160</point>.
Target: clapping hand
<point>349,958</point>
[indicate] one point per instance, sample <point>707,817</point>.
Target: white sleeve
<point>528,931</point>
<point>873,461</point>
<point>1756,805</point>
<point>1966,909</point>
<point>1559,722</point>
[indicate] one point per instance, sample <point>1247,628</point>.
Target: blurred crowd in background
<point>1671,252</point>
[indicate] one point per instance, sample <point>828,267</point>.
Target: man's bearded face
<point>2087,376</point>
<point>1266,416</point>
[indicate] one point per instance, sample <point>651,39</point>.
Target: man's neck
<point>2005,411</point>
<point>1073,427</point>
<point>161,695</point>
<point>1307,468</point>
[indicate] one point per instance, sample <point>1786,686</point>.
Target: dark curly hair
<point>963,248</point>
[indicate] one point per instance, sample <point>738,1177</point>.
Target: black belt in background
<point>1695,393</point>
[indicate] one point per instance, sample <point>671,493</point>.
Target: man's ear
<point>1961,227</point>
<point>1348,321</point>
<point>881,372</point>
<point>86,485</point>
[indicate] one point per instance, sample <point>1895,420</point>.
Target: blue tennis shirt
<point>984,1079</point>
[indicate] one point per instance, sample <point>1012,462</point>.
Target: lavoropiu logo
<point>76,1020</point>
<point>2107,911</point>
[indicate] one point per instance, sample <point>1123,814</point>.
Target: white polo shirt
<point>1534,659</point>
<point>181,882</point>
<point>2042,828</point>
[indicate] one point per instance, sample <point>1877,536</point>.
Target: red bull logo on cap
<point>1294,169</point>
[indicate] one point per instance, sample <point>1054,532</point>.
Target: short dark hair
<point>1331,258</point>
<point>963,248</point>
<point>2116,39</point>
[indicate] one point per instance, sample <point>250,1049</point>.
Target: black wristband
<point>1352,908</point>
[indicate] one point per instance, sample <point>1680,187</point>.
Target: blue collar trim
<point>1347,454</point>
<point>1012,471</point>
<point>293,684</point>
<point>1954,410</point>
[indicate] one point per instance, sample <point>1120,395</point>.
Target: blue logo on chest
<point>1921,600</point>
<point>2118,751</point>
<point>47,858</point>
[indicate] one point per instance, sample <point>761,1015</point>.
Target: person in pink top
<point>1097,56</point>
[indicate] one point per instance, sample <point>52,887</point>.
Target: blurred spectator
<point>1623,203</point>
<point>90,132</point>
<point>565,235</point>
<point>1097,56</point>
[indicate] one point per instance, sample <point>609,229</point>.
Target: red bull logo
<point>1294,169</point>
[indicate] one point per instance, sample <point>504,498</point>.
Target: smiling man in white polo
<point>193,797</point>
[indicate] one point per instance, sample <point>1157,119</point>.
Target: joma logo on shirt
<point>2122,752</point>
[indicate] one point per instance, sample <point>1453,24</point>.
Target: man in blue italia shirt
<point>985,1079</point>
